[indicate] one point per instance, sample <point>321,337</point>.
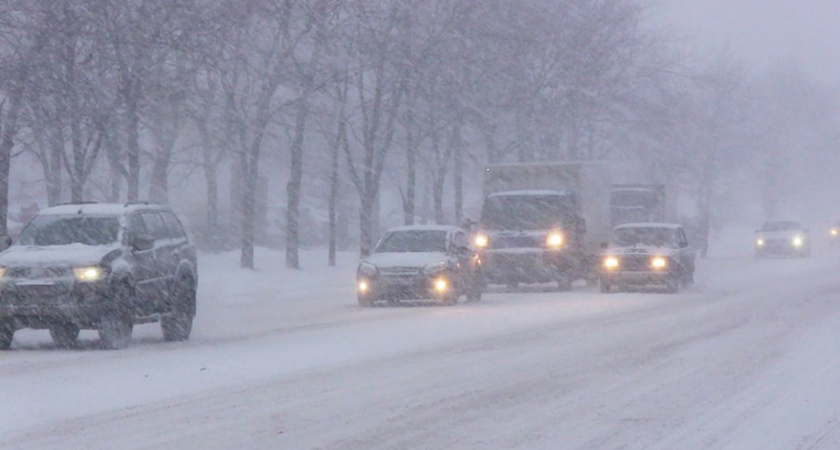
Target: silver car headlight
<point>434,268</point>
<point>368,269</point>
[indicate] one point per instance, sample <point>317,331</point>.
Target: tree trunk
<point>53,175</point>
<point>458,179</point>
<point>133,138</point>
<point>7,142</point>
<point>411,167</point>
<point>366,223</point>
<point>249,192</point>
<point>293,187</point>
<point>159,188</point>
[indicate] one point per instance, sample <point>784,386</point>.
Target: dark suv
<point>99,266</point>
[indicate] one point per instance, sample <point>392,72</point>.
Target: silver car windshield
<point>412,241</point>
<point>659,237</point>
<point>65,230</point>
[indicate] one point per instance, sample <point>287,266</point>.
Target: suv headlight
<point>366,268</point>
<point>798,241</point>
<point>92,273</point>
<point>759,242</point>
<point>434,268</point>
<point>611,262</point>
<point>2,272</point>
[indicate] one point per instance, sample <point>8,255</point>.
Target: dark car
<point>647,254</point>
<point>782,238</point>
<point>420,262</point>
<point>99,266</point>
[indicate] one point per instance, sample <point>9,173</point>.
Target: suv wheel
<point>6,334</point>
<point>115,331</point>
<point>177,325</point>
<point>64,334</point>
<point>604,287</point>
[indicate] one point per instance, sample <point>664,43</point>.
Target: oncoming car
<point>99,266</point>
<point>420,262</point>
<point>647,254</point>
<point>782,238</point>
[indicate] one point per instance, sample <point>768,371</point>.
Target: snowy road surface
<point>749,358</point>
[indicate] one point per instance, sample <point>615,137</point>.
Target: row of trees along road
<point>115,93</point>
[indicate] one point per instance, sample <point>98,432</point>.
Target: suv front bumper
<point>38,305</point>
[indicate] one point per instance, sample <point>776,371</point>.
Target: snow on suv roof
<point>424,228</point>
<point>529,192</point>
<point>648,225</point>
<point>100,209</point>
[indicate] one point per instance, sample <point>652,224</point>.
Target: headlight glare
<point>658,262</point>
<point>554,240</point>
<point>611,262</point>
<point>440,285</point>
<point>481,240</point>
<point>759,242</point>
<point>363,287</point>
<point>92,273</point>
<point>798,241</point>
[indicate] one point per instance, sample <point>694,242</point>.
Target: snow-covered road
<point>748,358</point>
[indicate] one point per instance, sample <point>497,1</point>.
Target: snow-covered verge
<point>285,359</point>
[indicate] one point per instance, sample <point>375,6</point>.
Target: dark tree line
<point>367,97</point>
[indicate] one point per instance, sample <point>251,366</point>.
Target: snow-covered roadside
<point>303,351</point>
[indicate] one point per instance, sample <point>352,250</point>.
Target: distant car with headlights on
<point>782,238</point>
<point>420,262</point>
<point>647,254</point>
<point>834,233</point>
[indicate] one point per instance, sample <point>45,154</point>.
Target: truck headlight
<point>798,241</point>
<point>481,240</point>
<point>92,273</point>
<point>554,240</point>
<point>611,263</point>
<point>658,262</point>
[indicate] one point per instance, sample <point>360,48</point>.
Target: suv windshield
<point>412,241</point>
<point>65,230</point>
<point>660,237</point>
<point>782,225</point>
<point>526,212</point>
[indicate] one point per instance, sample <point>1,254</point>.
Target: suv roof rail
<point>139,202</point>
<point>87,202</point>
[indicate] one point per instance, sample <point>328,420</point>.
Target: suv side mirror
<point>5,242</point>
<point>142,243</point>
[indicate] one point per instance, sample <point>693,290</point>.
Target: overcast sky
<point>761,32</point>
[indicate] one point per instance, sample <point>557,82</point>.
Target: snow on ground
<point>286,359</point>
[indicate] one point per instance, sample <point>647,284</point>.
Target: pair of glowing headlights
<point>796,241</point>
<point>553,240</point>
<point>439,284</point>
<point>83,274</point>
<point>656,263</point>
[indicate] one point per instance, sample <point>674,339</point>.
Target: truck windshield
<point>527,212</point>
<point>782,225</point>
<point>65,230</point>
<point>418,241</point>
<point>660,237</point>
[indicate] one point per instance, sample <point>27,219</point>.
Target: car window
<point>136,226</point>
<point>412,241</point>
<point>173,226</point>
<point>155,225</point>
<point>65,230</point>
